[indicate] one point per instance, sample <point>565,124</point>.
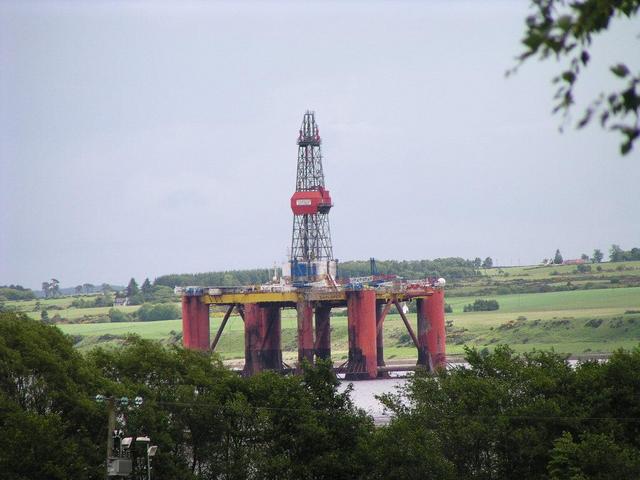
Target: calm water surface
<point>364,392</point>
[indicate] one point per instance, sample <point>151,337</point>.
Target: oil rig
<point>309,284</point>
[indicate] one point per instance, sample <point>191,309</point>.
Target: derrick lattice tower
<point>311,202</point>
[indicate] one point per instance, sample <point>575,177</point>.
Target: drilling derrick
<point>311,250</point>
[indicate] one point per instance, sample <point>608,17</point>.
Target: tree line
<point>529,416</point>
<point>450,268</point>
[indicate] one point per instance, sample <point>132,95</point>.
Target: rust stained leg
<point>222,325</point>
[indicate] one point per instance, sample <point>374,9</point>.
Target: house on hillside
<point>121,301</point>
<point>575,261</point>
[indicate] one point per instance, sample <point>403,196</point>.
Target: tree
<point>557,258</point>
<point>488,263</point>
<point>146,287</point>
<point>584,257</point>
<point>597,256</point>
<point>78,289</point>
<point>51,428</point>
<point>565,31</point>
<point>596,456</point>
<point>132,288</point>
<point>616,253</point>
<point>161,311</point>
<point>477,262</point>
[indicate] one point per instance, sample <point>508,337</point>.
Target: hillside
<point>540,307</point>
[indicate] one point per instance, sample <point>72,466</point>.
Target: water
<point>364,392</point>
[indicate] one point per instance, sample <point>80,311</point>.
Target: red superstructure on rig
<point>309,284</point>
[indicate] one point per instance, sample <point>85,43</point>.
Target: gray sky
<point>138,139</point>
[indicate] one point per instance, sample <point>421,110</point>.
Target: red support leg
<point>272,343</point>
<point>423,330</point>
<point>431,331</point>
<point>253,338</point>
<point>323,332</point>
<point>361,311</point>
<point>437,335</point>
<point>305,332</point>
<point>195,323</point>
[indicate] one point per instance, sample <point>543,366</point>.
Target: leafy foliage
<point>50,427</point>
<point>565,30</point>
<point>161,311</point>
<point>508,416</point>
<point>481,305</point>
<point>15,292</point>
<point>450,268</point>
<point>617,254</point>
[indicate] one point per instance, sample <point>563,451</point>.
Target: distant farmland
<point>576,322</point>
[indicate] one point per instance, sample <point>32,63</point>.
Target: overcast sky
<point>139,139</point>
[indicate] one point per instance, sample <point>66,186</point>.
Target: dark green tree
<point>597,256</point>
<point>616,254</point>
<point>146,286</point>
<point>596,456</point>
<point>557,258</point>
<point>564,31</point>
<point>51,428</point>
<point>488,263</point>
<point>132,288</point>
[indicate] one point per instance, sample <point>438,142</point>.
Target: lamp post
<point>117,466</point>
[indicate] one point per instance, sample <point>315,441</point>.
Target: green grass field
<point>576,322</point>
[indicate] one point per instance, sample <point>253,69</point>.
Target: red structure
<point>195,323</point>
<point>262,341</point>
<point>431,331</point>
<point>312,287</point>
<point>311,202</point>
<point>323,332</point>
<point>305,332</point>
<point>361,322</point>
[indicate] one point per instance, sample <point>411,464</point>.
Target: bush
<point>16,292</point>
<point>117,316</point>
<point>104,300</point>
<point>482,306</point>
<point>447,308</point>
<point>583,268</point>
<point>160,311</point>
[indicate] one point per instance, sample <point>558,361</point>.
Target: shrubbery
<point>15,292</point>
<point>118,316</point>
<point>160,311</point>
<point>482,306</point>
<point>505,415</point>
<point>104,300</point>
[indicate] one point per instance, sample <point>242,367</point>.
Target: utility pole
<point>111,426</point>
